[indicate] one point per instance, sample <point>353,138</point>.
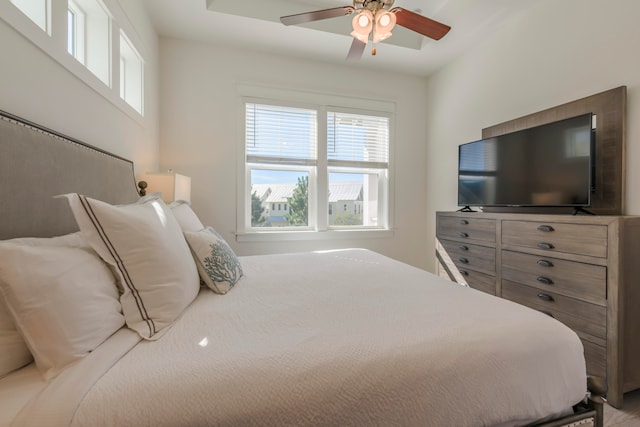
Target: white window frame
<point>78,29</point>
<point>39,15</point>
<point>98,39</point>
<point>318,175</point>
<point>54,43</point>
<point>131,74</point>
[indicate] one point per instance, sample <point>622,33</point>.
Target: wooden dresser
<point>582,270</point>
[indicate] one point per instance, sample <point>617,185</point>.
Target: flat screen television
<point>547,165</point>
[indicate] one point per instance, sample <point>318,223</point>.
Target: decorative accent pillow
<point>185,216</point>
<point>218,265</point>
<point>149,255</point>
<point>63,299</point>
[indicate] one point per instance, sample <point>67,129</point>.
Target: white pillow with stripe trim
<point>146,249</point>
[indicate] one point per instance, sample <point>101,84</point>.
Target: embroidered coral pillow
<point>218,265</point>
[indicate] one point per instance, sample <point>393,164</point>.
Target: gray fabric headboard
<point>37,163</point>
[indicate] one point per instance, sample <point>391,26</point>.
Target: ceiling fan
<point>374,20</point>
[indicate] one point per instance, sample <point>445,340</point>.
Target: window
<point>39,11</point>
<point>358,160</point>
<point>131,74</point>
<point>89,36</point>
<point>79,35</point>
<point>280,157</point>
<point>76,34</point>
<point>294,154</point>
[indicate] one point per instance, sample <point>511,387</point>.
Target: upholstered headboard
<point>37,163</point>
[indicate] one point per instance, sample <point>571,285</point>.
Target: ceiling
<point>254,24</point>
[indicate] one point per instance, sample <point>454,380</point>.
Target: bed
<point>147,317</point>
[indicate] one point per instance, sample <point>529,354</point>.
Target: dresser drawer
<point>480,281</point>
<point>596,357</point>
<point>575,279</point>
<point>588,320</point>
<point>471,257</point>
<point>582,239</point>
<point>466,228</point>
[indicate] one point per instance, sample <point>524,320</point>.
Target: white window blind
<point>281,135</point>
<point>355,140</point>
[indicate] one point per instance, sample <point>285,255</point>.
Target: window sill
<point>273,236</point>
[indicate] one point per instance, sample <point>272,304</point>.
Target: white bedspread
<point>345,338</point>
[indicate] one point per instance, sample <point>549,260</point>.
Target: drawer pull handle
<point>545,228</point>
<point>545,246</point>
<point>464,272</point>
<point>463,247</point>
<point>464,222</point>
<point>545,263</point>
<point>545,297</point>
<point>548,313</point>
<point>463,234</point>
<point>463,260</point>
<point>544,280</point>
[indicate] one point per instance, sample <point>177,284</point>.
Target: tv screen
<point>548,165</point>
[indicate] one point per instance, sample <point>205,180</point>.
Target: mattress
<point>328,338</point>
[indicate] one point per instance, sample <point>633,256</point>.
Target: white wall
<point>200,122</point>
<point>38,88</point>
<point>559,51</point>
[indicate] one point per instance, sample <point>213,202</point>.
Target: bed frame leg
<point>598,404</point>
<point>598,388</point>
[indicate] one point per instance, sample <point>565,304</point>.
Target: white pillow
<point>14,353</point>
<point>218,265</point>
<point>63,299</point>
<point>185,216</point>
<point>145,246</point>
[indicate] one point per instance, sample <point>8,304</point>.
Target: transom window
<point>39,11</point>
<point>301,161</point>
<point>116,67</point>
<point>89,36</point>
<point>76,34</point>
<point>131,74</point>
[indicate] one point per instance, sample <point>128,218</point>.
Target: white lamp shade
<point>385,21</point>
<point>362,25</point>
<point>172,186</point>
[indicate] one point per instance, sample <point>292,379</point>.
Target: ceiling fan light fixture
<point>384,23</point>
<point>362,25</point>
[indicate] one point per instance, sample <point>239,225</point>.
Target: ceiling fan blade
<point>421,24</point>
<point>356,50</point>
<point>302,18</point>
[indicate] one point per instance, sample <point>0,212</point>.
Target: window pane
<point>280,135</point>
<point>76,34</point>
<point>355,195</point>
<point>131,74</point>
<point>36,10</point>
<point>92,31</point>
<point>71,32</point>
<point>357,139</point>
<point>279,198</point>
